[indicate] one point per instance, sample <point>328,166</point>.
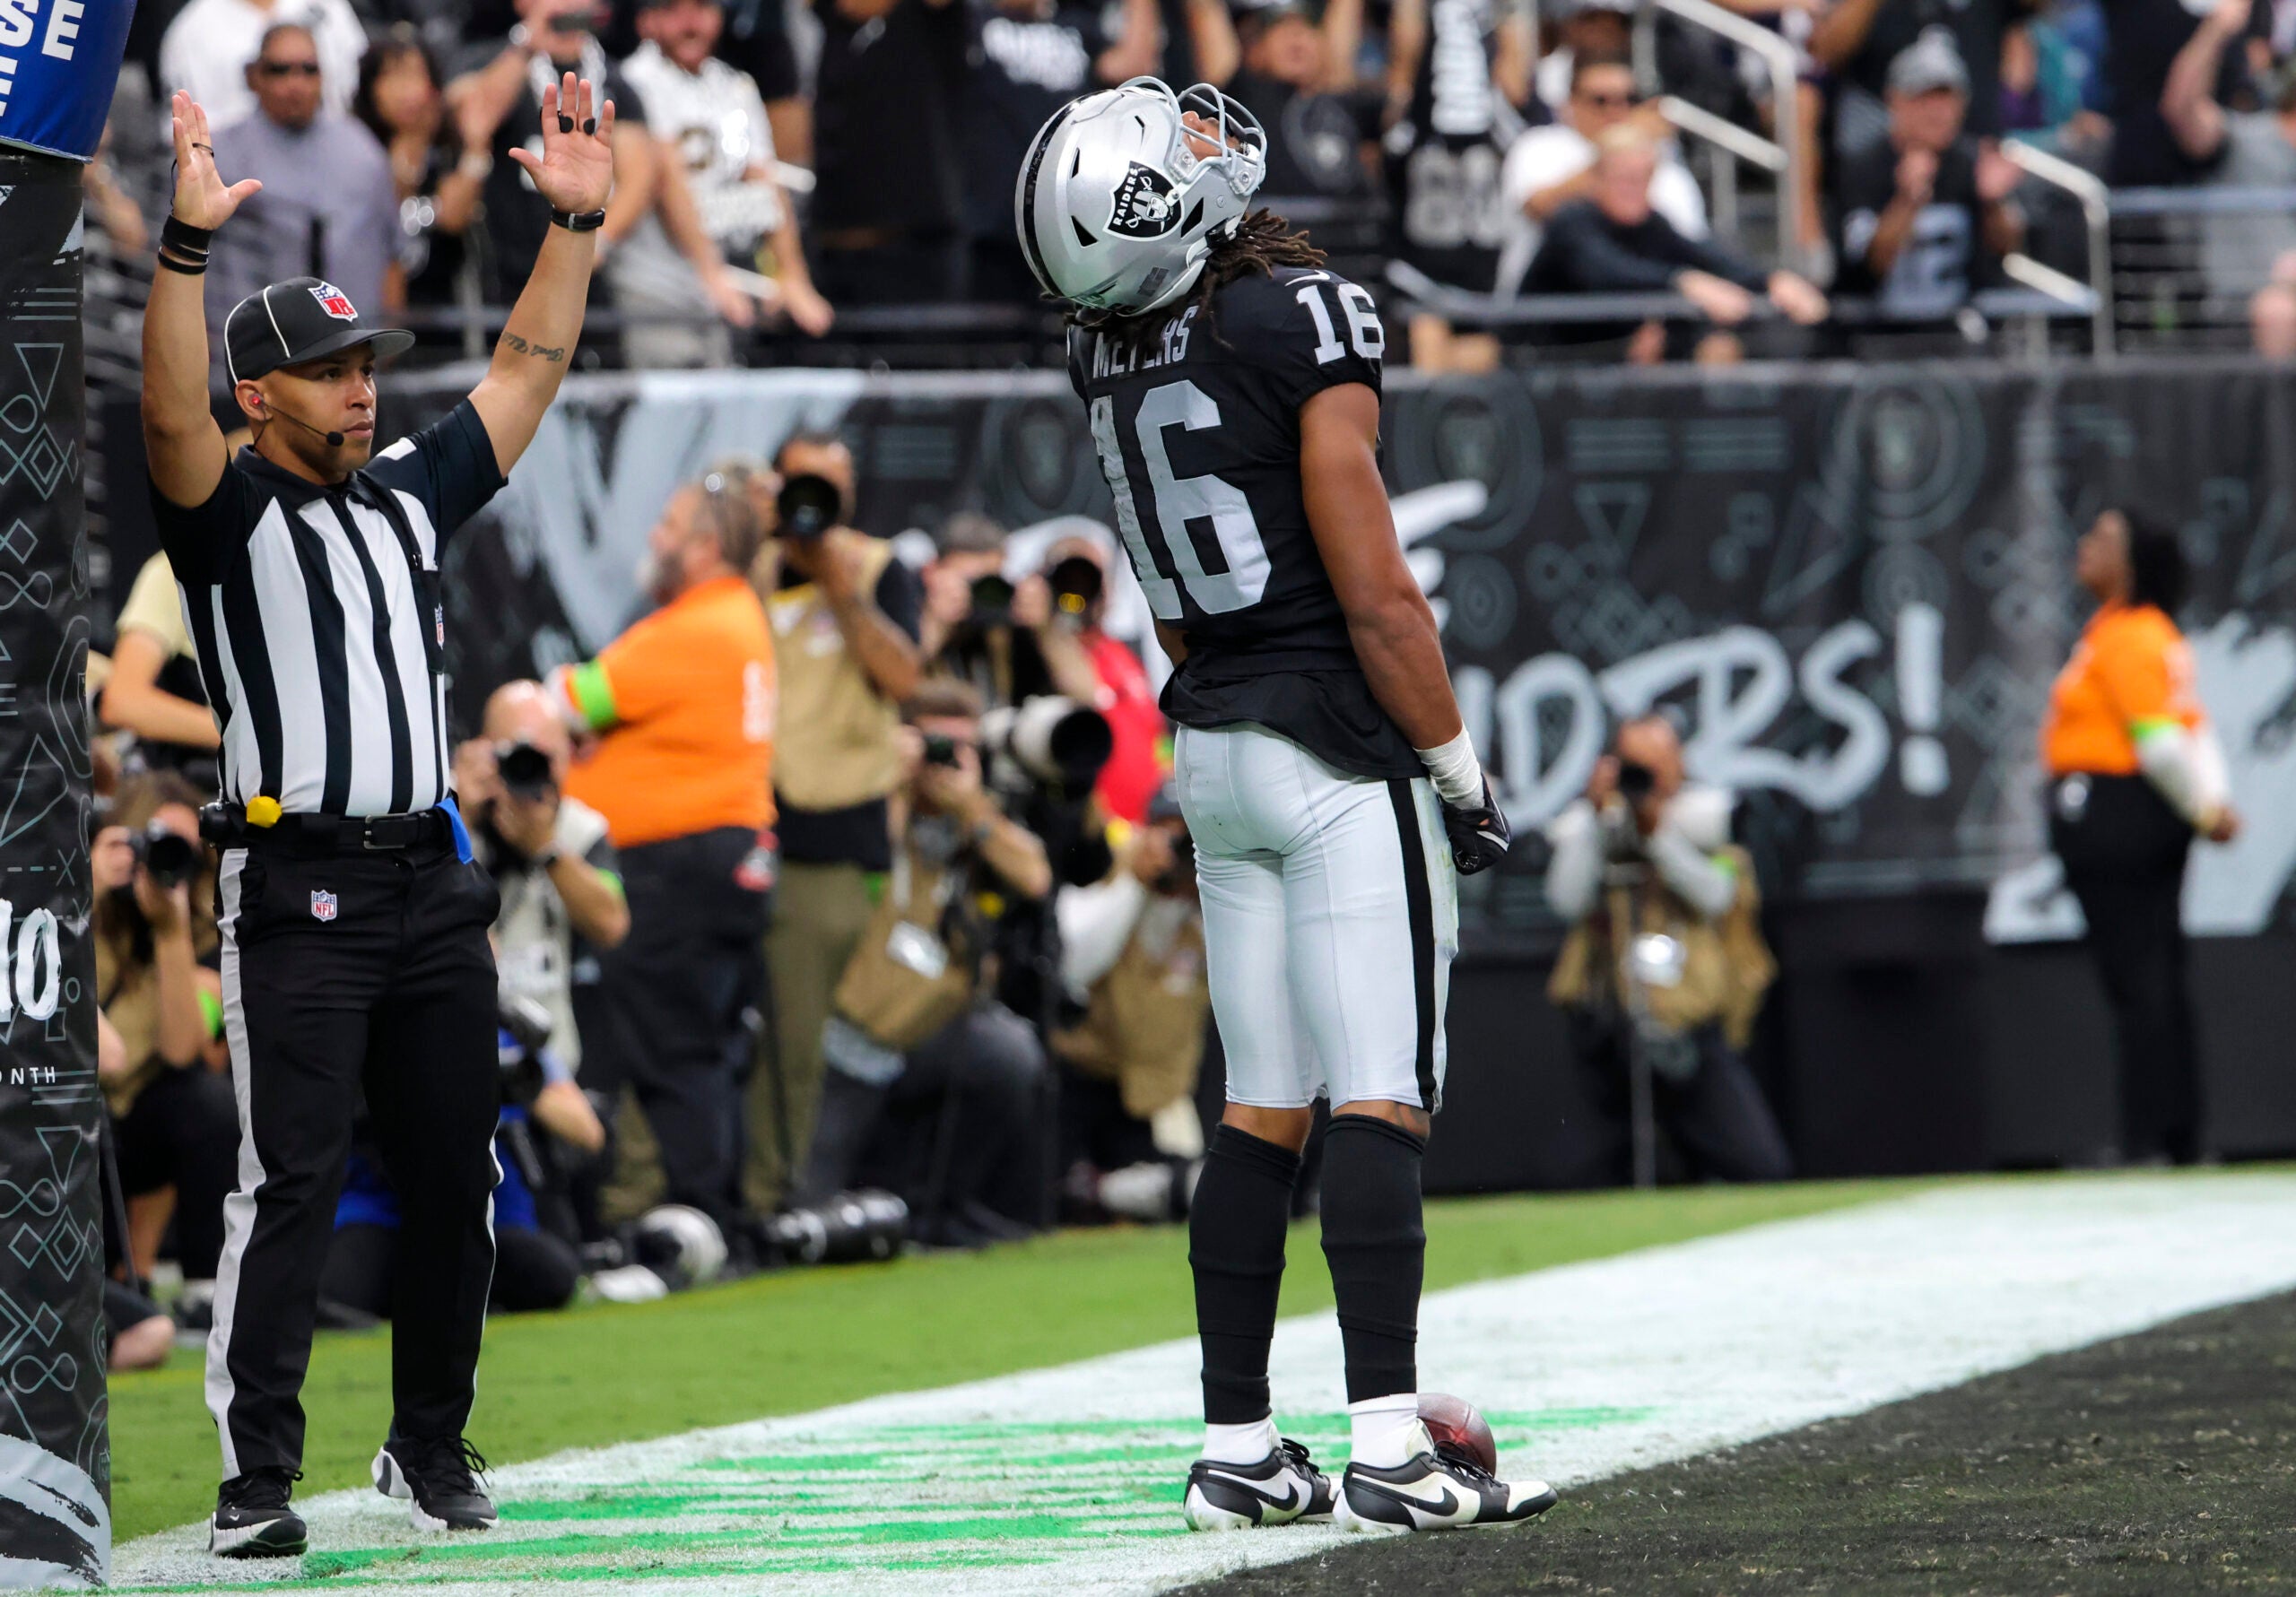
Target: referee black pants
<point>678,990</point>
<point>339,972</point>
<point>2124,851</point>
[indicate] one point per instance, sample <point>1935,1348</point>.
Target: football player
<point>1233,387</point>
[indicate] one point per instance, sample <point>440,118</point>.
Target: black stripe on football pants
<point>1419,899</point>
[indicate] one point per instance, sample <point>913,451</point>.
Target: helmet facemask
<point>1120,199</point>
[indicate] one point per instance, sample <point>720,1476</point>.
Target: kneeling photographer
<point>1132,961</point>
<point>1664,967</point>
<point>932,1084</point>
<point>168,1092</point>
<point>538,1265</point>
<point>548,852</point>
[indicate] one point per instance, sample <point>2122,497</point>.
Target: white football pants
<point>1331,914</point>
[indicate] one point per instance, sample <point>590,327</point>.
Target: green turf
<point>785,1343</point>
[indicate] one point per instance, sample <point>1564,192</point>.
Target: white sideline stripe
<point>1714,1343</point>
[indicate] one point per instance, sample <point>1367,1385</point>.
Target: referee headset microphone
<point>273,408</point>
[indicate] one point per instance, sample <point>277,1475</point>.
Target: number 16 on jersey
<point>1232,573</point>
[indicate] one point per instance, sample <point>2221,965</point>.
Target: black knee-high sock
<point>1376,1248</point>
<point>1235,1247</point>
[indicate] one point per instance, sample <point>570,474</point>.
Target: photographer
<point>549,853</point>
<point>927,1074</point>
<point>1075,602</point>
<point>1132,959</point>
<point>1664,957</point>
<point>154,886</point>
<point>982,628</point>
<point>154,689</point>
<point>845,617</point>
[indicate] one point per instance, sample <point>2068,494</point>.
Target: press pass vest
<point>1726,967</point>
<point>837,744</point>
<point>1143,1023</point>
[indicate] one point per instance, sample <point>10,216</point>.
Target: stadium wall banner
<point>1852,584</point>
<point>55,1456</point>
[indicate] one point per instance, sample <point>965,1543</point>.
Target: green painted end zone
<point>910,1497</point>
<point>794,1342</point>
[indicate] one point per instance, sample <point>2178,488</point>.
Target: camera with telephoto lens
<point>526,1027</point>
<point>525,771</point>
<point>1076,585</point>
<point>1636,782</point>
<point>1047,741</point>
<point>808,506</point>
<point>171,858</point>
<point>992,601</point>
<point>851,1229</point>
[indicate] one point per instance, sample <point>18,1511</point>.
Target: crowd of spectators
<point>779,161</point>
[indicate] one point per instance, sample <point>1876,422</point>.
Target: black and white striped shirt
<point>318,642</point>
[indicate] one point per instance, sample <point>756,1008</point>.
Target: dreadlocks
<point>1259,243</point>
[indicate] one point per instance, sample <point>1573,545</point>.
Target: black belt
<point>227,827</point>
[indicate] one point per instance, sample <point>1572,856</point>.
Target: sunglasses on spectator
<point>284,69</point>
<point>1609,102</point>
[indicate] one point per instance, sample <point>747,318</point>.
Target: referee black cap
<point>300,319</point>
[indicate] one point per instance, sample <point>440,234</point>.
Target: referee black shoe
<point>1283,1488</point>
<point>436,1478</point>
<point>252,1519</point>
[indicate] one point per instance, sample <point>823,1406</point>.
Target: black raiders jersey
<point>1197,422</point>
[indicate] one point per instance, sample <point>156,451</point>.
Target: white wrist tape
<point>1457,773</point>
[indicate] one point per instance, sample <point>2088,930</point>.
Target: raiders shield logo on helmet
<point>1147,206</point>
<point>335,302</point>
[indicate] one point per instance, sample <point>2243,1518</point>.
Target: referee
<point>354,923</point>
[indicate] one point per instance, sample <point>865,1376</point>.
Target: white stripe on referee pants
<point>239,1208</point>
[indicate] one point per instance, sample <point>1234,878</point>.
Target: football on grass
<point>1459,1430</point>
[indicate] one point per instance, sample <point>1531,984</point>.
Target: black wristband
<point>182,236</point>
<point>173,264</point>
<point>587,221</point>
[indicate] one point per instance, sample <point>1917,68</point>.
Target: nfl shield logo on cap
<point>335,301</point>
<point>322,904</point>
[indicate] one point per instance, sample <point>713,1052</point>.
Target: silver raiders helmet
<point>1123,193</point>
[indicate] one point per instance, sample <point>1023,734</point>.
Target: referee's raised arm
<point>575,174</point>
<point>185,447</point>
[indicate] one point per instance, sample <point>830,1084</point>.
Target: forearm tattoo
<point>539,351</point>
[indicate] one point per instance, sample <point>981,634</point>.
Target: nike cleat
<point>252,1518</point>
<point>1282,1487</point>
<point>435,1477</point>
<point>1434,1491</point>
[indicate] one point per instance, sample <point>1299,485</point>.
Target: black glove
<point>1479,836</point>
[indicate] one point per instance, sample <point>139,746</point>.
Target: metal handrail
<point>1785,73</point>
<point>2089,191</point>
<point>2066,299</point>
<point>2061,287</point>
<point>2205,201</point>
<point>1723,133</point>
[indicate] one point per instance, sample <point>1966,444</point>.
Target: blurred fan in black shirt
<point>1023,61</point>
<point>1297,78</point>
<point>888,193</point>
<point>1614,243</point>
